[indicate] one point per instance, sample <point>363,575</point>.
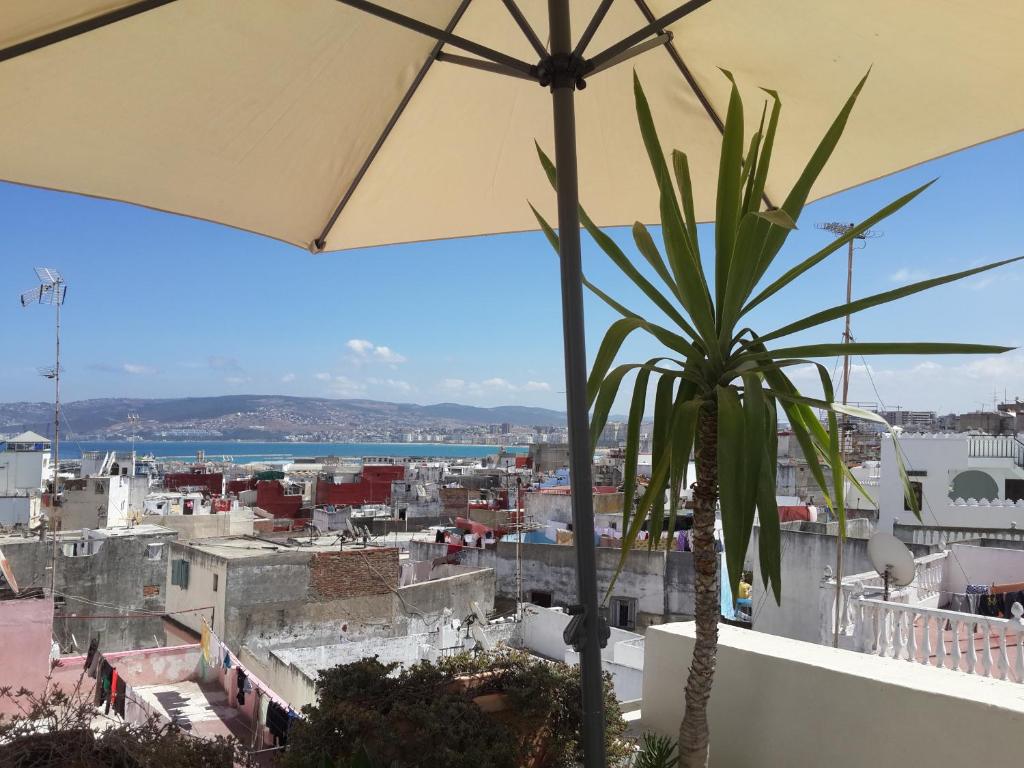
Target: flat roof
<point>240,547</point>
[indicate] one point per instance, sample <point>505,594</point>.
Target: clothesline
<point>235,662</point>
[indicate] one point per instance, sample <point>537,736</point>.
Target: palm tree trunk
<point>694,735</point>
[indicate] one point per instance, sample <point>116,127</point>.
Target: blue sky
<point>163,306</point>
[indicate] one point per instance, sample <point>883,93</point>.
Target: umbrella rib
<point>486,66</point>
<point>318,244</point>
<point>524,25</point>
<point>655,26</point>
<point>663,39</point>
<point>591,30</point>
<point>684,70</point>
<point>80,28</point>
<point>442,35</point>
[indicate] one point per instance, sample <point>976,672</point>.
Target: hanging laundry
<point>112,693</point>
<point>204,641</point>
<point>103,682</point>
<point>227,662</point>
<point>90,655</point>
<point>119,692</point>
<point>241,680</point>
<point>278,723</point>
<point>264,705</point>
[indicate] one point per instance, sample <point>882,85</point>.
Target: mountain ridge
<point>265,416</point>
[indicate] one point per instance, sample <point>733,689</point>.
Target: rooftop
<point>242,547</point>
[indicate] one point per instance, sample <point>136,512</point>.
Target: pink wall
<point>26,631</point>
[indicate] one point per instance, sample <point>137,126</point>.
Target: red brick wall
<point>353,573</point>
<point>455,500</point>
<point>213,481</point>
<point>271,497</point>
<point>374,486</point>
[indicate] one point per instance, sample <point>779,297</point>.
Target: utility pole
<point>51,290</point>
<point>838,228</point>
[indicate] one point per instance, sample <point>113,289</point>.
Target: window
<point>915,486</point>
<point>543,599</point>
<point>1014,490</point>
<point>100,488</point>
<point>154,551</point>
<point>179,573</point>
<point>623,612</point>
<point>917,473</point>
<point>216,580</point>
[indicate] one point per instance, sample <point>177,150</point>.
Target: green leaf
<point>612,250</point>
<point>659,476</point>
<point>877,348</point>
<point>545,228</point>
<point>636,415</point>
<point>732,479</point>
<point>778,217</point>
<point>764,161</point>
<point>730,190</point>
<point>661,445</point>
<point>879,298</point>
<point>687,269</point>
<point>612,342</point>
<point>769,538</point>
<point>811,261</point>
<point>649,250</point>
<point>797,197</point>
<point>681,167</point>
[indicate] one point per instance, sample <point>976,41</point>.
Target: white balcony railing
<point>923,589</point>
<point>978,645</point>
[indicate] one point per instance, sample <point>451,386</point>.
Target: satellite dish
<point>480,615</point>
<point>892,560</point>
<point>481,637</point>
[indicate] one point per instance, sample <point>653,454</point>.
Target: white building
<point>962,480</point>
<point>24,464</point>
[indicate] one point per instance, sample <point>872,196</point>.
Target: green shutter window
<point>179,573</point>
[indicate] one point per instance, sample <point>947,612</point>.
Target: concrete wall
<point>804,557</point>
<point>557,507</point>
<point>981,565</point>
<point>198,600</point>
<point>119,575</point>
<point>16,510</point>
<point>189,527</point>
<point>780,702</point>
<point>25,626</point>
<point>456,591</point>
<point>661,582</point>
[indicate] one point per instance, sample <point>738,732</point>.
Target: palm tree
<point>719,385</point>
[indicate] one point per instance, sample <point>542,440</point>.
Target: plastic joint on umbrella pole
<point>563,70</point>
<point>574,633</point>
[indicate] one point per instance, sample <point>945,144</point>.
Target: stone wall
<point>121,575</point>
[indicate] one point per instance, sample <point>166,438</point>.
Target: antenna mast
<point>51,290</point>
<point>838,228</point>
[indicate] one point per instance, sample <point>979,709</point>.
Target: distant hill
<point>262,416</point>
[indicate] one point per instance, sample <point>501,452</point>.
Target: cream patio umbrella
<point>338,124</point>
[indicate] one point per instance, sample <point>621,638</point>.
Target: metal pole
<point>840,537</point>
<point>56,449</point>
<point>576,390</point>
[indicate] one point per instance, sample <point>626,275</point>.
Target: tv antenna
<point>133,421</point>
<point>838,228</point>
<point>51,291</point>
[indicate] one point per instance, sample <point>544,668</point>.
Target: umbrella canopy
<point>323,126</point>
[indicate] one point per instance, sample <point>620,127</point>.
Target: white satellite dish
<point>481,637</point>
<point>480,615</point>
<point>892,560</point>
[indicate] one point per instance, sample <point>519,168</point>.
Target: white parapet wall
<point>782,702</point>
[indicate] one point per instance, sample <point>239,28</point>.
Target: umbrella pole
<point>587,638</point>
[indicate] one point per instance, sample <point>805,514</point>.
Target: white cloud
<point>537,386</point>
<point>388,355</point>
<point>137,370</point>
<point>322,376</point>
<point>366,351</point>
<point>498,383</point>
<point>982,283</point>
<point>236,380</point>
<point>360,346</point>
<point>453,385</point>
<point>908,275</point>
<point>288,378</point>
